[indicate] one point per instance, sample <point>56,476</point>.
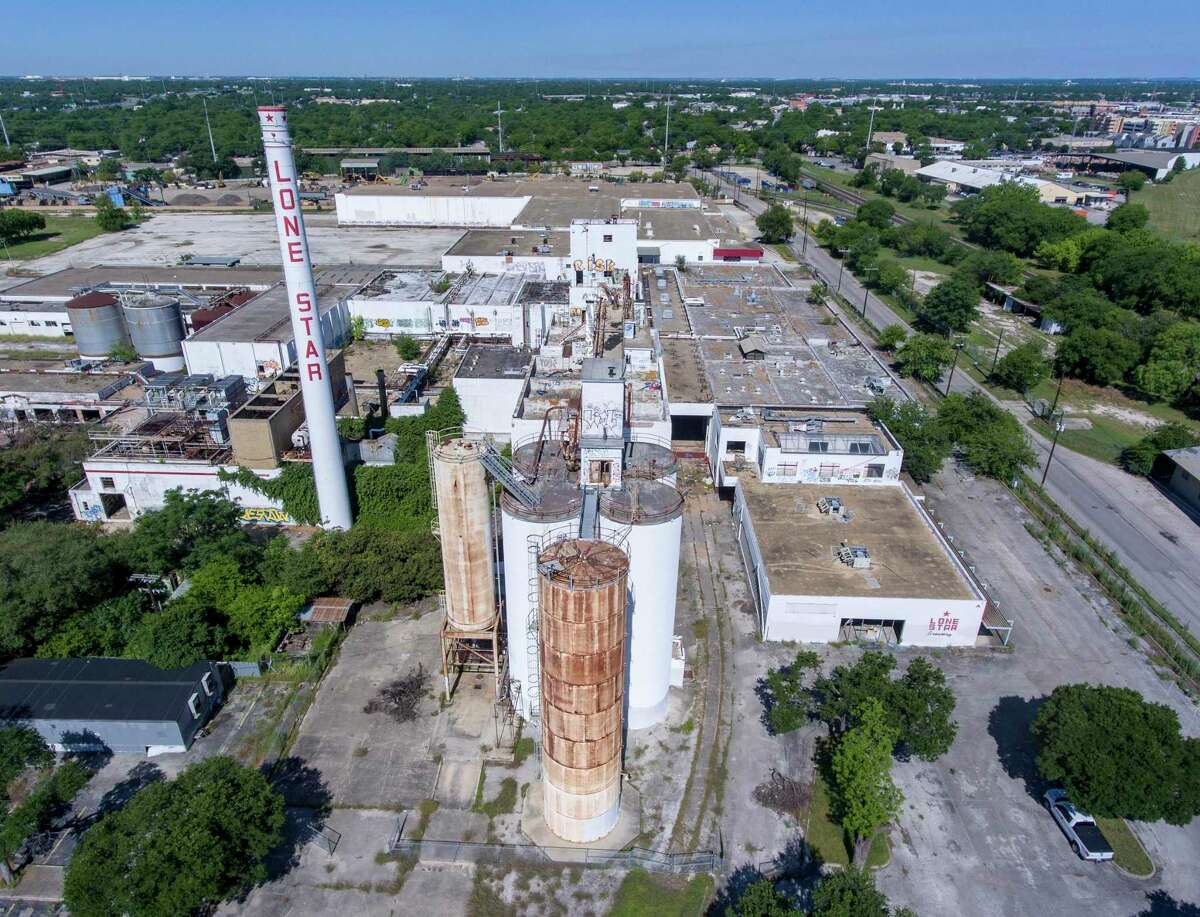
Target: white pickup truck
<point>1081,829</point>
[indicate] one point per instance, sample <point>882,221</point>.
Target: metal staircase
<point>533,676</point>
<point>500,469</point>
<point>431,441</point>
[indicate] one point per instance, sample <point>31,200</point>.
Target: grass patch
<point>49,356</point>
<point>1128,852</point>
<point>524,747</point>
<point>1104,441</point>
<point>643,895</point>
<point>1175,206</point>
<point>503,804</point>
<point>785,252</point>
<point>427,808</point>
<point>880,853</point>
<point>60,233</point>
<point>824,834</point>
<point>686,727</point>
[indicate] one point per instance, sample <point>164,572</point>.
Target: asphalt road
<point>1156,541</point>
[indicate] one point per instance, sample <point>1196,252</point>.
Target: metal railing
<point>437,851</point>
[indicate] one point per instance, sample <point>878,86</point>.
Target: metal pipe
<point>329,472</point>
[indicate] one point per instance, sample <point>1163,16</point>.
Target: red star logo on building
<point>270,117</point>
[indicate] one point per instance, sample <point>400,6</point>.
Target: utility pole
<point>1057,392</point>
<point>208,124</point>
<point>804,228</point>
<point>842,267</point>
<point>866,292</point>
<point>4,130</point>
<point>667,137</point>
<point>958,346</point>
<point>500,124</point>
<point>996,355</point>
<point>1059,426</point>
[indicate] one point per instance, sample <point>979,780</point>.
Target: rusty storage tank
<point>582,598</point>
<point>652,514</point>
<point>556,513</point>
<point>649,461</point>
<point>98,324</point>
<point>465,524</point>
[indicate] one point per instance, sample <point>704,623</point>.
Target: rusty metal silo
<point>582,598</point>
<point>465,530</point>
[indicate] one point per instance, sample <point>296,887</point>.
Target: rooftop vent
<point>855,556</point>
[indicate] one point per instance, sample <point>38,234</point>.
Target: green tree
<point>984,266</point>
<point>259,614</point>
<point>20,747</point>
<point>177,844</point>
<point>1101,356</point>
<point>109,216</point>
<point>104,630</point>
<point>1117,755</point>
<point>762,899</point>
<point>891,337</point>
<point>192,528</point>
<point>889,275</point>
<point>991,440</point>
<point>1127,217</point>
<point>36,811</point>
<point>1023,367</point>
<point>950,306</point>
<point>775,224</point>
<point>786,695</point>
<point>108,169</point>
<point>49,572</point>
<point>877,213</point>
<point>848,893</point>
<point>1142,455</point>
<point>1171,368</point>
<point>925,445</point>
<point>1131,181</point>
<point>1009,216</point>
<point>16,225</point>
<point>39,463</point>
<point>184,632</point>
<point>925,357</point>
<point>865,799</point>
<point>922,705</point>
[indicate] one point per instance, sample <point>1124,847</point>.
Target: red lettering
<point>291,226</point>
<point>307,320</point>
<point>287,198</point>
<point>295,252</point>
<point>311,350</point>
<point>279,176</point>
<point>304,302</point>
<point>314,371</point>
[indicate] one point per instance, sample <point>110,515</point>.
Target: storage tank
<point>652,512</point>
<point>555,462</point>
<point>558,510</point>
<point>581,604</point>
<point>649,462</point>
<point>156,329</point>
<point>98,324</point>
<point>465,523</point>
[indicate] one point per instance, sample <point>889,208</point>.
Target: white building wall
<point>144,485</point>
<point>48,324</point>
<point>489,404</point>
<point>598,246</point>
<point>552,267</point>
<point>428,210</point>
<point>693,250</point>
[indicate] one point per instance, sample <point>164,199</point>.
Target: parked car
<point>1079,827</point>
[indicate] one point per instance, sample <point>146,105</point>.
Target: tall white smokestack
<point>315,384</point>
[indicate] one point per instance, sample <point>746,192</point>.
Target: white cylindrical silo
<point>652,511</point>
<point>649,461</point>
<point>558,511</point>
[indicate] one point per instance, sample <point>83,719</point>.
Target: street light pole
<point>957,350</point>
<point>1059,426</point>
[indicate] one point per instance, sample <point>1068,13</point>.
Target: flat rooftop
<point>12,383</point>
<point>267,317</point>
<point>486,289</point>
<point>792,429</point>
<point>553,201</point>
<point>551,292</point>
<point>526,242</point>
<point>752,338</point>
<point>798,542</point>
<point>494,362</point>
<point>69,281</point>
<point>407,286</point>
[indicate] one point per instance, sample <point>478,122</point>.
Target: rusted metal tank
<point>465,524</point>
<point>582,605</point>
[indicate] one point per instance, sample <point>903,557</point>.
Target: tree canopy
<point>775,224</point>
<point>177,844</point>
<point>865,798</point>
<point>1118,755</point>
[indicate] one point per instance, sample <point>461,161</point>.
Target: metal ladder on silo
<point>533,676</point>
<point>431,441</point>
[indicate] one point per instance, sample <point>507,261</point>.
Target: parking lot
<point>973,837</point>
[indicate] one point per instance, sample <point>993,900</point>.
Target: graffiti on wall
<point>265,515</point>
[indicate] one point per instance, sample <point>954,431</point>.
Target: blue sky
<point>667,38</point>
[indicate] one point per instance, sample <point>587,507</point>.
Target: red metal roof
<point>92,301</point>
<point>737,252</point>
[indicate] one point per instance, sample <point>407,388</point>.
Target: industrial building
<point>124,706</point>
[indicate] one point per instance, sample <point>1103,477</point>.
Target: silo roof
<point>93,300</point>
